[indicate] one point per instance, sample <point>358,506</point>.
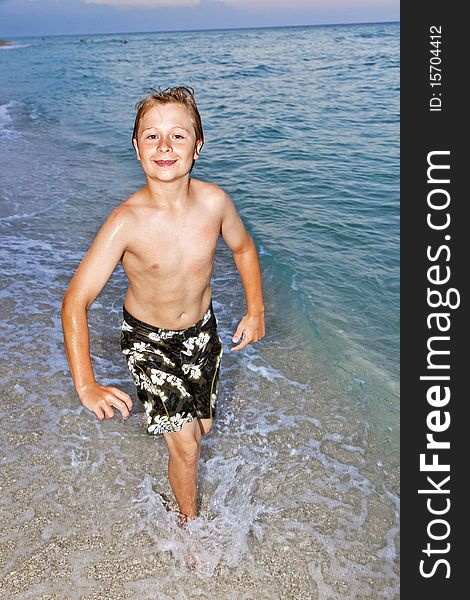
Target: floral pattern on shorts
<point>176,372</point>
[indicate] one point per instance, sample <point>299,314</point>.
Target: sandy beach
<point>82,515</point>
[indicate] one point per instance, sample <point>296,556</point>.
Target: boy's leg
<point>184,450</point>
<point>205,425</point>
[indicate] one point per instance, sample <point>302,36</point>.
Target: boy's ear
<point>136,148</point>
<point>197,149</point>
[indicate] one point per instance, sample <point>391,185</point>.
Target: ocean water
<point>302,130</point>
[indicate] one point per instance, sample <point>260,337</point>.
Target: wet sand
<point>82,517</point>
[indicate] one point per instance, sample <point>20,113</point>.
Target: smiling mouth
<point>165,163</point>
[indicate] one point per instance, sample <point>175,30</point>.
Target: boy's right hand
<point>101,398</point>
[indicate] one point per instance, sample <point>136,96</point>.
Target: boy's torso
<point>169,258</point>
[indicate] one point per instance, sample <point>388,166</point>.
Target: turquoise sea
<point>302,130</point>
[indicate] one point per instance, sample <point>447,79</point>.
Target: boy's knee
<point>184,447</point>
<point>188,451</point>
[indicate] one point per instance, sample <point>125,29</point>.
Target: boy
<point>165,236</point>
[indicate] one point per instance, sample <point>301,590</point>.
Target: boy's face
<point>166,142</point>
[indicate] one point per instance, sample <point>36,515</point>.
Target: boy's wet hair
<point>173,95</point>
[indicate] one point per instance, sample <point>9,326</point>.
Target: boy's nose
<point>164,145</point>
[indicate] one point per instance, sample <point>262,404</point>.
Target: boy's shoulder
<point>123,217</point>
<point>210,192</point>
<point>128,209</point>
<point>200,186</point>
<point>136,200</point>
<point>207,196</point>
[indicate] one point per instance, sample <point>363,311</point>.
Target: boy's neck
<point>171,194</point>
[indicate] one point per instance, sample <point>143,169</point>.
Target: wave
<point>6,121</point>
<point>14,46</point>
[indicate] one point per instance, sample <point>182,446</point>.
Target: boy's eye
<point>152,136</point>
<point>178,136</point>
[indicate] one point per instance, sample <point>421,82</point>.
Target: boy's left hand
<point>250,329</point>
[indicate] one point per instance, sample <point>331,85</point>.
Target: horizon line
<point>202,30</point>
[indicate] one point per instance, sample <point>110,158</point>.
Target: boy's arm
<point>251,327</point>
<point>89,279</point>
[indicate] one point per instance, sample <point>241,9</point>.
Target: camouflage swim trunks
<point>176,372</point>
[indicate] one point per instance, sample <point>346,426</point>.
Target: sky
<point>55,17</point>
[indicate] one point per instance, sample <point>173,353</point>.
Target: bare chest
<point>162,247</point>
